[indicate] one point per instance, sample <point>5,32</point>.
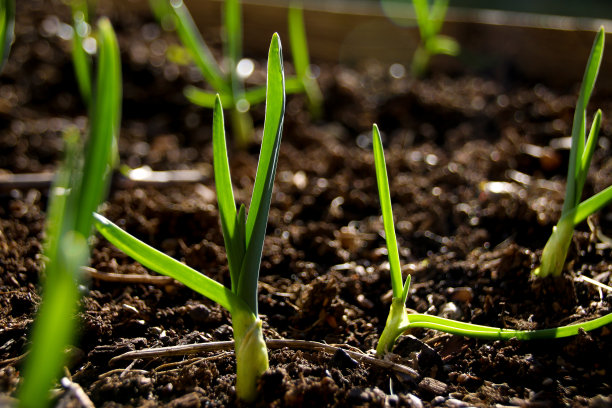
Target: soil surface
<point>476,165</point>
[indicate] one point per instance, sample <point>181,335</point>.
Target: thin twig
<point>272,344</point>
<point>175,364</point>
<point>121,370</point>
<point>188,363</point>
<point>175,350</point>
<point>128,278</point>
<point>14,359</point>
<point>594,282</point>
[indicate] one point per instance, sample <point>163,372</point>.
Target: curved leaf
<point>259,207</point>
<point>162,263</point>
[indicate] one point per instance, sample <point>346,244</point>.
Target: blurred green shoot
<point>243,235</point>
<point>80,186</point>
<point>399,321</point>
<point>7,25</point>
<point>430,20</point>
<point>581,152</point>
<point>301,59</point>
<point>82,64</point>
<point>230,86</point>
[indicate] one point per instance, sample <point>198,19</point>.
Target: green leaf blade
<point>494,333</point>
<point>7,26</point>
<point>206,99</point>
<point>587,154</point>
<point>266,171</point>
<point>591,205</point>
<point>54,328</point>
<point>165,265</point>
<point>301,59</point>
<point>202,56</point>
<point>105,117</point>
<point>437,15</point>
<point>234,244</point>
<point>233,31</point>
<point>297,40</point>
<point>387,214</point>
<point>421,10</point>
<point>573,189</point>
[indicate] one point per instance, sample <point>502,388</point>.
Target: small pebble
<point>392,401</point>
<point>462,378</point>
<point>414,401</point>
<point>450,311</point>
<point>438,400</point>
<point>432,386</point>
<point>455,403</point>
<point>462,294</point>
<point>341,359</point>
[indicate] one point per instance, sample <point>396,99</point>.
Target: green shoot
<point>7,24</point>
<point>399,321</point>
<point>301,58</point>
<point>230,86</point>
<point>581,152</point>
<point>243,235</point>
<point>80,186</point>
<point>81,60</point>
<point>101,157</point>
<point>430,22</point>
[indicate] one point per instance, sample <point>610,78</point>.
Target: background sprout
<point>80,186</point>
<point>7,25</point>
<point>243,235</point>
<point>301,59</point>
<point>81,60</point>
<point>581,152</point>
<point>230,86</point>
<point>430,20</point>
<point>399,321</point>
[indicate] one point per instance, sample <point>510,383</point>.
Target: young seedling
<point>301,60</point>
<point>80,186</point>
<point>399,321</point>
<point>230,86</point>
<point>430,22</point>
<point>7,24</point>
<point>581,152</point>
<point>243,235</point>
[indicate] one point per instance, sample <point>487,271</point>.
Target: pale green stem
<point>555,250</point>
<point>251,354</point>
<point>242,125</point>
<point>397,321</point>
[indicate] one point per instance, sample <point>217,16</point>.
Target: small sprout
<point>243,235</point>
<point>301,59</point>
<point>581,152</point>
<point>81,61</point>
<point>399,321</point>
<point>7,24</point>
<point>80,186</point>
<point>228,83</point>
<point>430,22</point>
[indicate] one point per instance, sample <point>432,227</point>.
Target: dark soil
<point>470,245</point>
